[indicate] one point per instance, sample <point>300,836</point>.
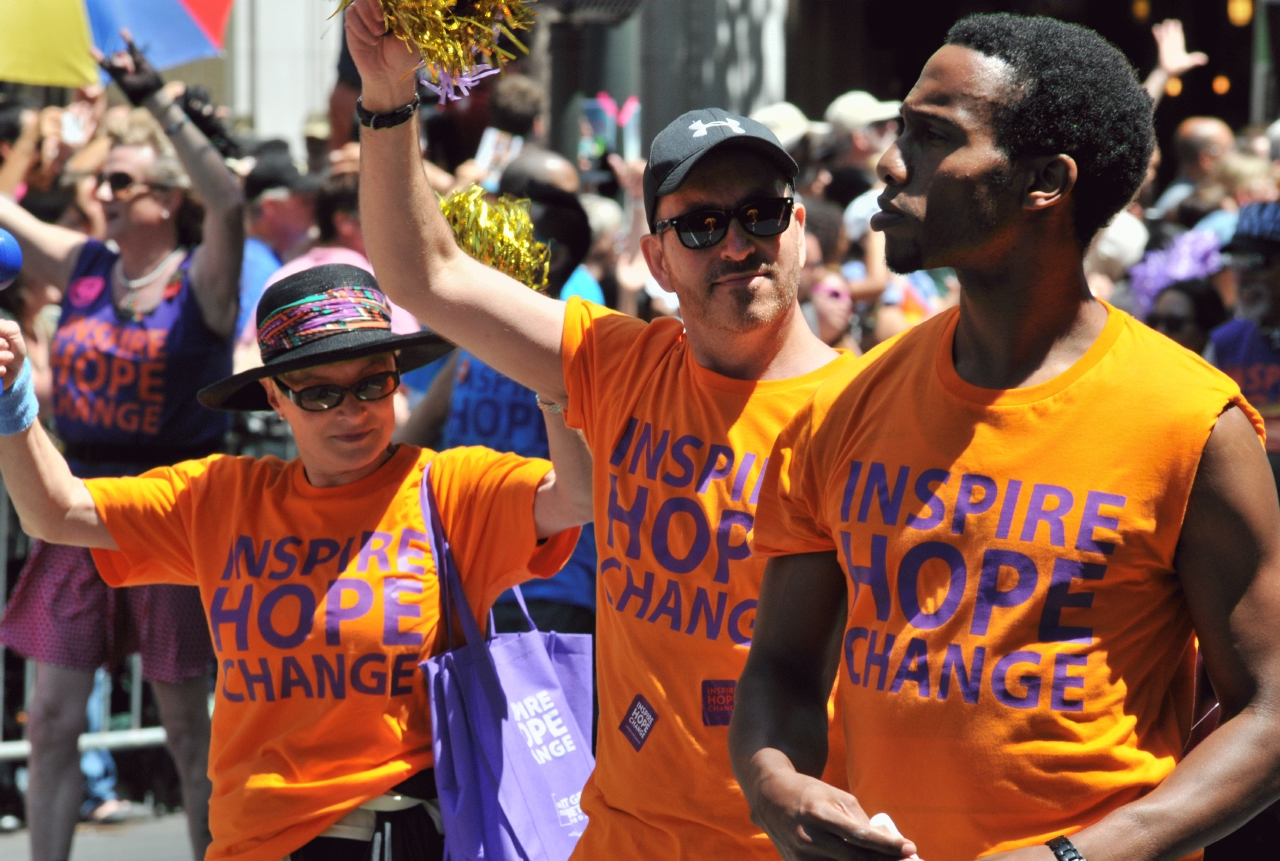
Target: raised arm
<point>564,498</point>
<point>778,734</point>
<point>52,503</point>
<point>411,246</point>
<point>1173,61</point>
<point>49,252</point>
<point>215,269</point>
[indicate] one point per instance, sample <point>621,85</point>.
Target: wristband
<point>1064,850</point>
<point>18,406</point>
<point>386,119</point>
<point>174,127</point>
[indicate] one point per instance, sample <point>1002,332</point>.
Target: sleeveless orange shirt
<point>1017,661</point>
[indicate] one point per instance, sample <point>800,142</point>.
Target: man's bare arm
<point>564,498</point>
<point>778,735</point>
<point>1229,563</point>
<point>417,262</point>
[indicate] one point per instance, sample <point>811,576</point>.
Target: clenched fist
<point>385,62</point>
<point>13,352</point>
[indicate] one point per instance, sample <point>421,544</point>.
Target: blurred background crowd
<point>566,128</point>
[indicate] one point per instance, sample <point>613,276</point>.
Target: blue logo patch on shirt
<point>639,722</point>
<point>717,701</point>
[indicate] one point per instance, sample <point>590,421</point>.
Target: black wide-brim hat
<point>320,316</point>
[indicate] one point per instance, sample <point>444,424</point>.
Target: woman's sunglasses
<point>119,181</point>
<point>706,227</point>
<point>317,399</point>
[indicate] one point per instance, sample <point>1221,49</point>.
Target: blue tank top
<point>492,410</point>
<point>130,385</point>
<point>1242,353</point>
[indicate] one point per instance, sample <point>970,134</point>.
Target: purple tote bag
<point>511,719</point>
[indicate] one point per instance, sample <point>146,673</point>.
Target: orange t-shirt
<point>679,452</point>
<point>321,602</point>
<point>1018,657</point>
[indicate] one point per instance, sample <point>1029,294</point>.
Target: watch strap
<point>1064,850</point>
<point>385,119</point>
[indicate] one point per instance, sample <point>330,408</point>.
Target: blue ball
<point>10,258</point>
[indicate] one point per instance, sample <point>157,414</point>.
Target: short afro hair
<point>1072,92</point>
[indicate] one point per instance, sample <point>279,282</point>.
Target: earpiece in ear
<point>164,213</point>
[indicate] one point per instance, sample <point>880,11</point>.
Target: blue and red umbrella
<point>47,42</point>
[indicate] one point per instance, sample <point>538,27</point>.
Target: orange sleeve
<point>594,351</point>
<point>151,517</point>
<point>788,517</point>
<point>485,499</point>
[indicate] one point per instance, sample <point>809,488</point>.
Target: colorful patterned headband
<point>341,309</point>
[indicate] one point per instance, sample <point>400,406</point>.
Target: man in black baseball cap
<point>680,417</point>
<point>680,146</point>
<point>279,215</point>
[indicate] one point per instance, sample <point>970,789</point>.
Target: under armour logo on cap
<point>699,128</point>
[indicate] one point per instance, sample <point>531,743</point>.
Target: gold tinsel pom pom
<point>498,234</point>
<point>458,39</point>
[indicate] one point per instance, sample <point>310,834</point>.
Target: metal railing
<point>134,737</point>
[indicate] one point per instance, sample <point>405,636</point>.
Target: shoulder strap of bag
<point>454,598</point>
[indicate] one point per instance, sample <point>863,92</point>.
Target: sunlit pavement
<point>155,839</point>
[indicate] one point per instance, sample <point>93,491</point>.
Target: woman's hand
<point>131,71</point>
<point>385,62</point>
<point>13,352</point>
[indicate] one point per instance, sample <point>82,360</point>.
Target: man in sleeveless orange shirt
<point>1025,507</point>
<point>680,420</point>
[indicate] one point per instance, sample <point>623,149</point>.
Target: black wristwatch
<point>1064,849</point>
<point>386,119</point>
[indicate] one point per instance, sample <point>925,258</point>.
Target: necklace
<point>129,303</point>
<point>144,280</point>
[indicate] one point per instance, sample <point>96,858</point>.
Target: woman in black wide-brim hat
<point>320,592</point>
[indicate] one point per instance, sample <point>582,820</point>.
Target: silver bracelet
<point>549,406</point>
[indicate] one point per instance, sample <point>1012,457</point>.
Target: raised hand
<point>630,175</point>
<point>385,62</point>
<point>131,70</point>
<point>13,352</point>
<point>1171,42</point>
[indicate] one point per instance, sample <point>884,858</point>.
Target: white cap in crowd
<point>857,109</point>
<point>789,123</point>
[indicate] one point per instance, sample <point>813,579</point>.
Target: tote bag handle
<point>454,599</point>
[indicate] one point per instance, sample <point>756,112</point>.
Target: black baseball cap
<point>679,146</point>
<point>275,169</point>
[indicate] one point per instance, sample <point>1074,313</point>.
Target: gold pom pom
<point>458,39</point>
<point>498,234</point>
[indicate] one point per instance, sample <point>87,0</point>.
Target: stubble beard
<point>748,308</point>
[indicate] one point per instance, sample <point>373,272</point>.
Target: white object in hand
<point>882,820</point>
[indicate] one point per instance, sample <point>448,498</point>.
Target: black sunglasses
<point>317,399</point>
<point>706,227</point>
<point>120,181</point>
